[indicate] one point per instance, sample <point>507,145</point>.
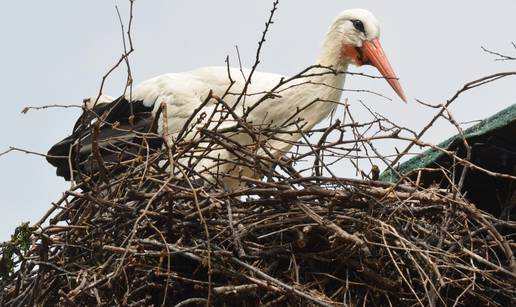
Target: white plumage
<point>351,39</point>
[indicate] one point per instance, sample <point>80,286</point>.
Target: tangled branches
<point>329,241</point>
<point>134,235</point>
<point>149,227</point>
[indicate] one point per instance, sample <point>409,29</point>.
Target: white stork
<point>353,38</point>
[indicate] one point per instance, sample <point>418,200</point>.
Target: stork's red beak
<point>372,53</point>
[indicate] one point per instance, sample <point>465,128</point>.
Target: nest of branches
<point>137,236</point>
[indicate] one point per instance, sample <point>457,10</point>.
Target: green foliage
<point>17,246</point>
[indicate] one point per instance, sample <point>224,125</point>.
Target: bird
<point>180,105</point>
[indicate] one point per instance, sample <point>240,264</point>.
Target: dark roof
<point>505,119</point>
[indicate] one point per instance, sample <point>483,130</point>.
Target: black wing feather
<point>117,137</point>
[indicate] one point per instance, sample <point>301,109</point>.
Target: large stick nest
<point>145,239</point>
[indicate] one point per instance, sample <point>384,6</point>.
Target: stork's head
<point>357,33</point>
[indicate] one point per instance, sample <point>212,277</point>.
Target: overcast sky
<point>57,51</point>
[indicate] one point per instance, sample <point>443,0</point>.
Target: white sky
<point>57,51</point>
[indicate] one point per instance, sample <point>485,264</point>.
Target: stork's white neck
<point>330,84</point>
<point>331,56</point>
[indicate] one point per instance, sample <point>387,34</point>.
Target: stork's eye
<point>358,25</point>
